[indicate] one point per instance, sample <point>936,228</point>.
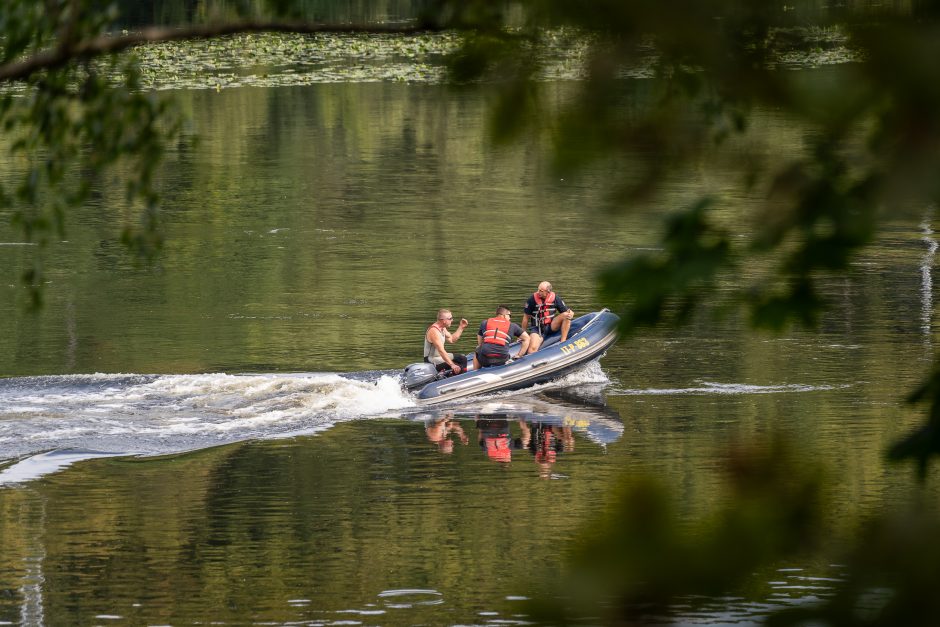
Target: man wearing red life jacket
<point>494,338</point>
<point>548,313</point>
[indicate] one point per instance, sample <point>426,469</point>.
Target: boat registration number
<point>577,345</point>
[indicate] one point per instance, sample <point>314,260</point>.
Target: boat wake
<point>92,415</point>
<point>48,423</point>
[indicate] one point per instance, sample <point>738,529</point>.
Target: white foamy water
<point>926,271</point>
<point>153,414</point>
<point>590,374</point>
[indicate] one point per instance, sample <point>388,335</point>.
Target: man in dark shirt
<point>548,313</point>
<point>494,338</point>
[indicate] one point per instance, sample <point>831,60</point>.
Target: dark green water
<point>315,230</point>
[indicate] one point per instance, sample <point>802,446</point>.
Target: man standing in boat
<point>434,351</point>
<point>548,312</point>
<point>494,338</point>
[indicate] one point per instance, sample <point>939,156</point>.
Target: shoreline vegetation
<point>277,59</point>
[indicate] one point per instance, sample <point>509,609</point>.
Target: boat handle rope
<point>593,320</point>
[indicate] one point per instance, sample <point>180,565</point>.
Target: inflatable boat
<point>589,337</point>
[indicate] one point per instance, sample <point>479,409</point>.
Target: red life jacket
<point>498,449</point>
<point>545,309</point>
<point>497,331</point>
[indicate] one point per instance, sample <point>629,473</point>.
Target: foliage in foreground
<point>67,124</point>
<point>873,152</point>
<point>74,107</point>
<point>873,155</point>
<point>635,563</point>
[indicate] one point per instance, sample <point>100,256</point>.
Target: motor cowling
<point>419,374</point>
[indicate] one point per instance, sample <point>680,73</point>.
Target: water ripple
<point>728,389</point>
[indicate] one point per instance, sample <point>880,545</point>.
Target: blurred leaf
<point>693,253</point>
<point>924,442</point>
<point>891,574</point>
<point>638,558</point>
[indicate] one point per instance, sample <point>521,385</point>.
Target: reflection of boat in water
<point>597,422</point>
<point>589,337</point>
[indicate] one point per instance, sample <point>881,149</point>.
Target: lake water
<point>220,437</point>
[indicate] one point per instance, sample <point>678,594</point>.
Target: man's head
<point>545,288</point>
<point>503,310</point>
<point>444,316</point>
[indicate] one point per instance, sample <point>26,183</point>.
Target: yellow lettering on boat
<point>577,345</point>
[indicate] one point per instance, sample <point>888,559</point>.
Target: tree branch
<point>54,58</point>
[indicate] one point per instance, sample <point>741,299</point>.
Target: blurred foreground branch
<point>872,145</point>
<point>639,563</point>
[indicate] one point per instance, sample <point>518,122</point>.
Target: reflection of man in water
<point>438,432</point>
<point>496,439</point>
<point>545,442</point>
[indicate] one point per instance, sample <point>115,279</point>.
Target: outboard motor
<point>419,374</point>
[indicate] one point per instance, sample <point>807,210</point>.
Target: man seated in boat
<point>548,312</point>
<point>494,338</point>
<point>434,351</point>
